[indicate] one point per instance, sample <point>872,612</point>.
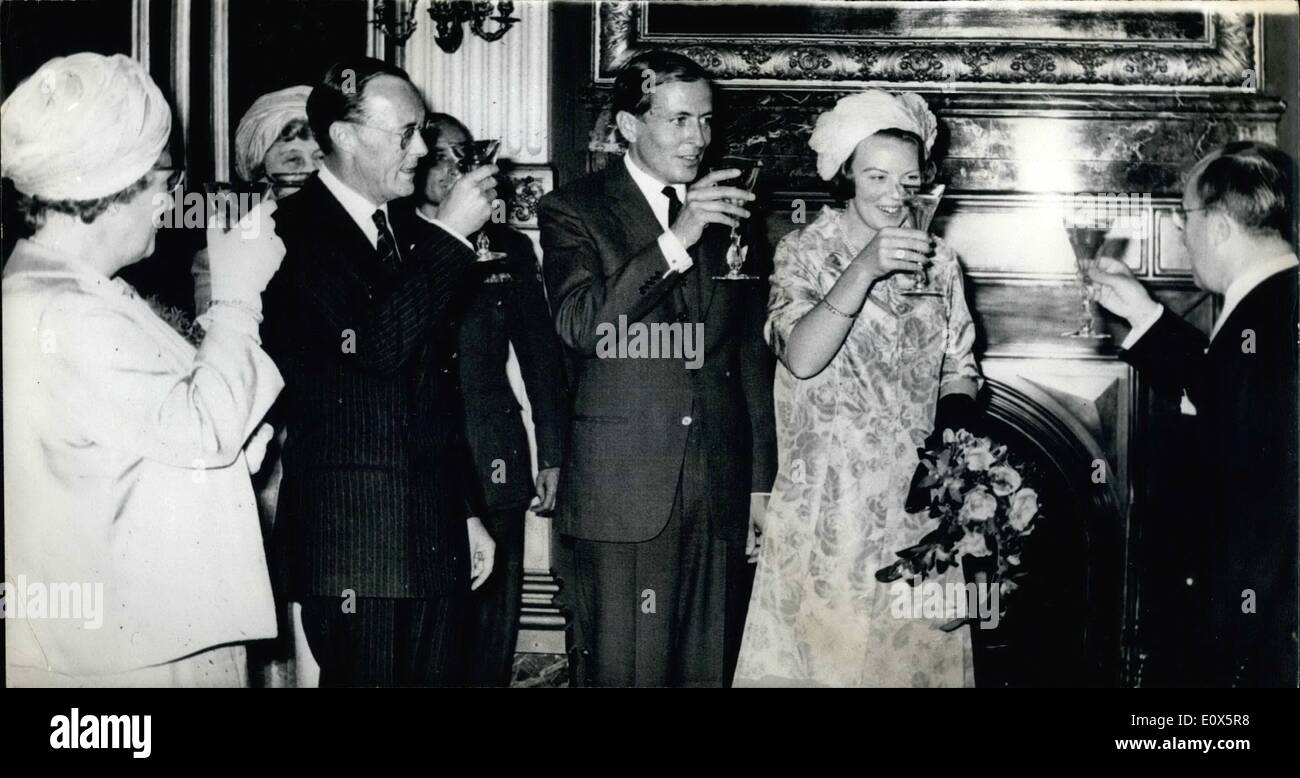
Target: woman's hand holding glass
<point>894,250</point>
<point>244,257</point>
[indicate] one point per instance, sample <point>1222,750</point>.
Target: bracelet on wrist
<point>837,311</point>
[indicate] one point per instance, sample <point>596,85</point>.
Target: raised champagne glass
<point>736,253</point>
<point>469,156</point>
<point>922,202</point>
<point>1086,240</point>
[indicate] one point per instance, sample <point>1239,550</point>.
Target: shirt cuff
<point>442,226</point>
<point>675,253</point>
<point>1141,326</point>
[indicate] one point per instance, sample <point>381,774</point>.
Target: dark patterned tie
<point>674,205</point>
<point>679,294</point>
<point>386,249</point>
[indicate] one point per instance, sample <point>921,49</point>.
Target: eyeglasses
<point>175,177</point>
<point>1180,215</point>
<point>405,135</point>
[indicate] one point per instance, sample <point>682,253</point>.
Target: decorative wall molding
<point>140,32</point>
<point>500,89</point>
<point>1215,50</point>
<point>220,26</point>
<point>1029,142</point>
<point>181,48</point>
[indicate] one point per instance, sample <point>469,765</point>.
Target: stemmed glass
<point>737,253</point>
<point>1086,240</point>
<point>922,202</point>
<point>475,154</point>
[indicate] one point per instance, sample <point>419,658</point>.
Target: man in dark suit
<point>506,309</point>
<point>376,519</point>
<point>1240,387</point>
<point>671,447</point>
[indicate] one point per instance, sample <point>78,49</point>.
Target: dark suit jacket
<point>376,485</point>
<point>506,306</point>
<point>1243,479</point>
<point>602,261</point>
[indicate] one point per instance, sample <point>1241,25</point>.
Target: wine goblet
<point>922,202</point>
<point>736,253</point>
<point>471,155</point>
<point>1086,242</point>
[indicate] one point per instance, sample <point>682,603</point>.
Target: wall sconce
<point>449,15</point>
<point>396,22</point>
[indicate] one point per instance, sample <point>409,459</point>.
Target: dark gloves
<point>955,412</point>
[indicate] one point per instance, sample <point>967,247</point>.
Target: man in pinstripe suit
<point>377,527</point>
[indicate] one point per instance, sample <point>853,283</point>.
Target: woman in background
<point>125,471</point>
<point>863,370</point>
<point>275,154</point>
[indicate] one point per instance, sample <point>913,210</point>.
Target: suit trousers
<point>387,641</point>
<point>668,611</point>
<point>494,607</point>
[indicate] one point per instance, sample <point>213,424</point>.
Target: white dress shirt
<point>674,252</point>
<point>362,210</point>
<point>356,204</point>
<point>443,226</point>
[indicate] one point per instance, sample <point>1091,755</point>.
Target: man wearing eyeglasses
<point>377,525</point>
<point>670,453</point>
<point>1239,387</point>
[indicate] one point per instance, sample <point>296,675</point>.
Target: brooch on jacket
<point>498,278</point>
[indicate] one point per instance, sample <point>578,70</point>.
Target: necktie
<point>674,208</point>
<point>387,244</point>
<point>674,205</point>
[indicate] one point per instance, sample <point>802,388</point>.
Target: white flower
<point>973,544</point>
<point>979,505</point>
<point>1005,480</point>
<point>1024,506</point>
<point>979,458</point>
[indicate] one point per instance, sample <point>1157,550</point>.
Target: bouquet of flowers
<point>983,508</point>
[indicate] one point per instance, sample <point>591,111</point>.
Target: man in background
<point>506,308</point>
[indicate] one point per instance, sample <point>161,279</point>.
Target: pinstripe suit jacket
<point>377,478</point>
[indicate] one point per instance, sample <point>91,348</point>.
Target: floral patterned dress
<point>847,441</point>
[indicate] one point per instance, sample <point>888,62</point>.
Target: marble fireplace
<point>1059,102</point>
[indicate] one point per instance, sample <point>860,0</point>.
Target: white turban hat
<point>83,127</point>
<point>859,116</point>
<point>262,124</point>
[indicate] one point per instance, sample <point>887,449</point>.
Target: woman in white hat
<point>125,471</point>
<point>862,372</point>
<point>275,152</point>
